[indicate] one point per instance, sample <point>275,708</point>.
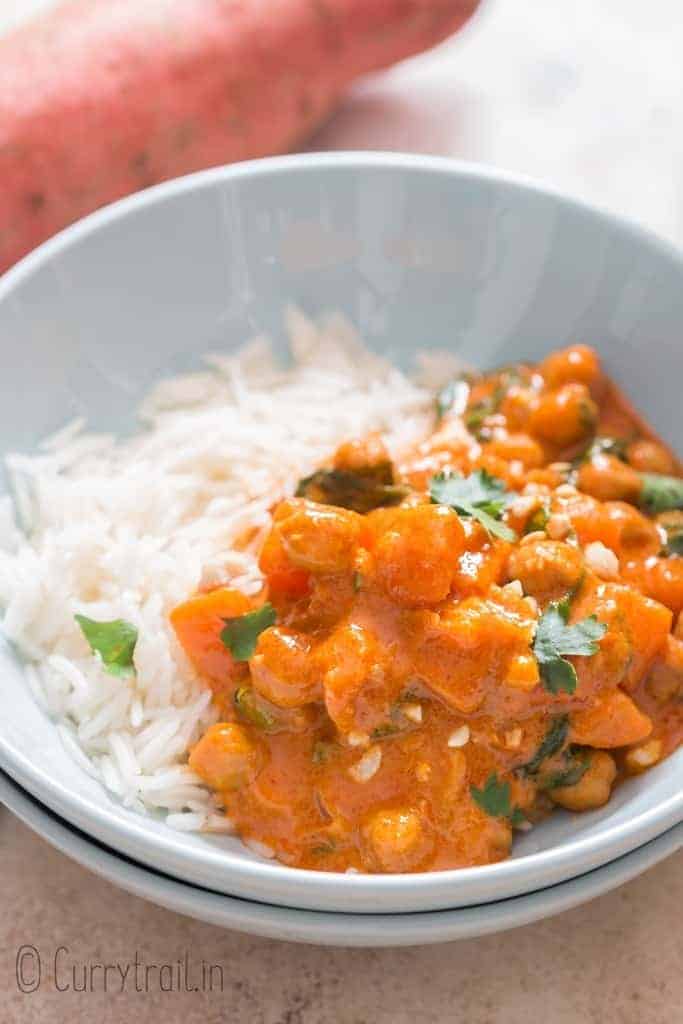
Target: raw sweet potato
<point>101,98</point>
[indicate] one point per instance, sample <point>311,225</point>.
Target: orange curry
<point>448,646</point>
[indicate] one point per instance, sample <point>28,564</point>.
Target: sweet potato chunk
<point>613,721</point>
<point>198,624</point>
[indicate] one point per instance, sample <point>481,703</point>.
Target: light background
<point>586,96</point>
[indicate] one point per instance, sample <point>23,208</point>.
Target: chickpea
<point>650,457</point>
<point>272,558</point>
<point>578,364</point>
<point>397,839</point>
<point>284,579</point>
<point>662,579</point>
<point>415,559</point>
<point>565,416</point>
<point>666,678</point>
<point>547,569</point>
<point>511,473</point>
<point>593,788</point>
<point>522,447</point>
<point>638,535</point>
<point>367,456</point>
<point>331,597</point>
<point>282,668</point>
<point>620,526</point>
<point>382,519</point>
<point>518,405</point>
<point>226,757</point>
<point>319,538</point>
<point>348,661</point>
<point>609,479</point>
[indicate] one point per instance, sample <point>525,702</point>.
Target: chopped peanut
<point>643,756</point>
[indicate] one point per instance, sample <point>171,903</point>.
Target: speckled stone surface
<point>589,98</point>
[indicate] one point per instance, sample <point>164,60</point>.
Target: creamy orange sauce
<point>392,714</point>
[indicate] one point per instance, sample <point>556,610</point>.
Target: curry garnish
<point>556,637</point>
<point>360,492</point>
<point>322,751</point>
<point>478,412</point>
<point>479,495</point>
<point>553,741</point>
<point>241,633</point>
<point>113,642</point>
<point>494,800</point>
<point>577,761</point>
<point>538,520</point>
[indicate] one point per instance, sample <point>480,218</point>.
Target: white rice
<point>129,529</point>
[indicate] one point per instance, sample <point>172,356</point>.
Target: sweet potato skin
<point>100,99</point>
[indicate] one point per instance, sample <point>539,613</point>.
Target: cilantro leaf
<point>385,729</point>
<point>518,817</point>
<point>551,744</point>
<point>555,638</point>
<point>476,414</point>
<point>113,642</point>
<point>242,632</point>
<point>324,848</point>
<point>660,493</point>
<point>322,751</point>
<point>538,520</point>
<point>360,491</point>
<point>578,761</point>
<point>479,488</point>
<point>674,544</point>
<point>494,800</point>
<point>479,495</point>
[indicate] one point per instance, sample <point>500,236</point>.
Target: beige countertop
<point>615,961</point>
<point>589,98</point>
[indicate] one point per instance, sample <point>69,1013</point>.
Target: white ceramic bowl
<point>417,251</point>
<point>329,929</point>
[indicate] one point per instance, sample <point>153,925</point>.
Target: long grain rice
<point>129,529</point>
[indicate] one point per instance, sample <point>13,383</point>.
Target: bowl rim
<point>573,854</point>
<point>322,160</point>
<point>330,928</point>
